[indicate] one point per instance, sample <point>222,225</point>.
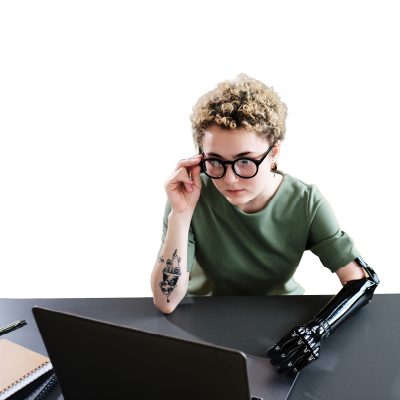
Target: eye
<point>244,163</point>
<point>215,163</point>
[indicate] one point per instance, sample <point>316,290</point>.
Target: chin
<point>236,201</point>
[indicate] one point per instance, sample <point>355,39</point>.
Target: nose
<point>230,176</point>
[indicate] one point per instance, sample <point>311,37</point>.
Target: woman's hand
<point>182,192</point>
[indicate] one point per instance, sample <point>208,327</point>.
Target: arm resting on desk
<point>169,278</point>
<point>304,342</point>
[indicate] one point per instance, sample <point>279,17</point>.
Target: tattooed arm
<point>170,277</point>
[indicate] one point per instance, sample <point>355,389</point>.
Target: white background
<point>95,98</point>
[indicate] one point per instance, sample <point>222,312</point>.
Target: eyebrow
<point>237,155</point>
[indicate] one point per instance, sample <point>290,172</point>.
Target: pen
<point>10,326</point>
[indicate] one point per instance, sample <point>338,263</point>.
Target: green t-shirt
<point>233,253</point>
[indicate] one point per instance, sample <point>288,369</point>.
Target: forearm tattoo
<point>171,274</point>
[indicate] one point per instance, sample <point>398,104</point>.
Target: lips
<point>235,191</point>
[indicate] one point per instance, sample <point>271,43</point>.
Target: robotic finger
<point>287,350</point>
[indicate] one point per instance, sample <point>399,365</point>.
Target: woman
<point>236,225</point>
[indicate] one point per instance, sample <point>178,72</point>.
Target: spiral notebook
<point>19,366</point>
<point>42,392</point>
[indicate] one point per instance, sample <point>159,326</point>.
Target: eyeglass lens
<point>244,168</point>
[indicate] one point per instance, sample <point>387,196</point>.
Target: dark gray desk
<point>360,361</point>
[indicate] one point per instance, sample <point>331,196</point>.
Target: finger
<point>196,176</point>
<point>291,373</point>
<point>286,353</point>
<point>302,353</point>
<point>187,162</point>
<point>304,356</point>
<point>182,176</point>
<point>279,346</point>
<point>283,368</point>
<point>178,178</point>
<point>304,362</point>
<point>297,363</point>
<point>272,351</point>
<point>188,187</point>
<point>195,161</point>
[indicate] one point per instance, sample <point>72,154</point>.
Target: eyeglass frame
<point>225,163</point>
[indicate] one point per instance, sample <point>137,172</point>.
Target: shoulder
<point>302,196</point>
<point>299,189</point>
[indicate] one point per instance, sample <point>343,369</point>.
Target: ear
<point>276,150</point>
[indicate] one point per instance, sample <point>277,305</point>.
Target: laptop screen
<point>98,360</point>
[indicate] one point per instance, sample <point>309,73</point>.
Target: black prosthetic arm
<point>303,342</point>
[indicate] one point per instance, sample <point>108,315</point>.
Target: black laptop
<point>99,360</point>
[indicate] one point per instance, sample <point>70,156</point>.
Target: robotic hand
<point>304,341</point>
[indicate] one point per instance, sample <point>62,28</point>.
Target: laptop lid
<point>98,360</point>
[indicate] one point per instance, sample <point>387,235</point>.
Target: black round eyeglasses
<point>243,167</point>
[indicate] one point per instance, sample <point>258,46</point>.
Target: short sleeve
<point>334,247</point>
<point>191,241</point>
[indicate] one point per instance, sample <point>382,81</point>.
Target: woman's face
<point>228,145</point>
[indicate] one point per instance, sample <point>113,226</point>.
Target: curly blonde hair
<point>242,103</point>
